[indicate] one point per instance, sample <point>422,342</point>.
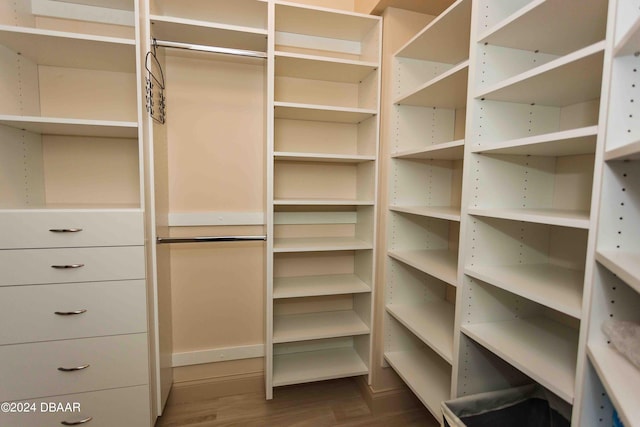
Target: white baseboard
<point>217,355</point>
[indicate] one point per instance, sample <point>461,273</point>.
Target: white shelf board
<point>71,50</point>
<point>629,151</point>
<point>550,26</point>
<point>321,113</point>
<point>322,202</point>
<point>442,212</point>
<point>445,39</point>
<point>543,349</point>
<point>323,22</point>
<point>315,326</point>
<point>559,217</point>
<point>108,4</point>
<point>304,367</point>
<point>441,264</point>
<point>449,90</point>
<point>322,68</point>
<point>567,80</point>
<point>322,157</point>
<point>431,322</point>
<point>206,33</point>
<point>629,42</point>
<point>547,284</point>
<point>453,150</point>
<point>430,382</point>
<point>320,244</point>
<point>625,265</point>
<point>621,380</point>
<point>563,143</point>
<point>73,127</point>
<point>309,286</point>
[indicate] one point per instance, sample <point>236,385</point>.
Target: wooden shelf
<point>621,380</point>
<point>322,22</point>
<point>555,83</point>
<point>453,150</point>
<point>322,202</point>
<point>322,68</point>
<point>320,157</point>
<point>309,286</point>
<point>550,26</point>
<point>192,31</point>
<point>543,349</point>
<point>563,143</point>
<point>448,90</point>
<point>445,39</point>
<point>629,151</point>
<point>432,322</point>
<point>442,212</point>
<point>559,217</point>
<point>70,50</point>
<point>441,264</point>
<point>297,368</point>
<point>320,244</point>
<point>313,326</point>
<point>428,380</point>
<point>625,265</point>
<point>321,113</point>
<point>547,284</point>
<point>73,127</point>
<point>629,41</point>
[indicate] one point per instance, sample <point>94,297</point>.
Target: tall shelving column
<point>612,381</point>
<point>430,83</point>
<point>531,152</point>
<point>71,208</point>
<point>323,145</point>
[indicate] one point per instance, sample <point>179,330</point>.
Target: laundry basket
<point>526,406</point>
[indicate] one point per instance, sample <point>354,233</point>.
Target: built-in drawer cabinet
<point>53,368</point>
<point>124,407</point>
<point>75,310</point>
<point>23,229</point>
<point>67,265</point>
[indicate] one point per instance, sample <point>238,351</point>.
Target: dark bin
<point>526,406</point>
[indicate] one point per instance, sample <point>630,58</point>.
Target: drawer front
<point>74,310</point>
<point>56,229</point>
<point>125,407</point>
<point>35,370</point>
<point>36,266</point>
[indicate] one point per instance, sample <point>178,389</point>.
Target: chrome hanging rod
<point>203,239</point>
<point>210,49</point>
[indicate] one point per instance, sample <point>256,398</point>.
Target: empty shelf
<point>322,68</point>
<point>320,157</point>
<point>312,326</point>
<point>564,218</point>
<point>318,244</point>
<point>441,264</point>
<point>448,90</point>
<point>321,113</point>
<point>304,367</point>
<point>541,348</point>
<point>625,265</point>
<point>629,151</point>
<point>74,127</point>
<point>453,150</point>
<point>441,212</point>
<point>306,286</point>
<point>322,202</point>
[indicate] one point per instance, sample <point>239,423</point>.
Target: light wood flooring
<point>326,403</point>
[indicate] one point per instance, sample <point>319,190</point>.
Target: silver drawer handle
<point>65,230</point>
<point>67,266</point>
<point>77,368</point>
<point>76,423</point>
<point>70,313</point>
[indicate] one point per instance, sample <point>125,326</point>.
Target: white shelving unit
<point>430,74</point>
<point>322,125</point>
<point>611,378</point>
<point>72,198</point>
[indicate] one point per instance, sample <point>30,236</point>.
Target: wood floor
<point>327,403</point>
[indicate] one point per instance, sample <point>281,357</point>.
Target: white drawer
<point>30,371</point>
<point>90,309</point>
<point>35,266</point>
<point>125,407</point>
<point>56,229</point>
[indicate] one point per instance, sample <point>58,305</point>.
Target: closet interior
<point>168,168</point>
